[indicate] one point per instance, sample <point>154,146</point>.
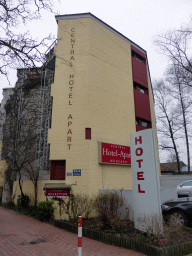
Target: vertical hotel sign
<point>71,87</point>
<point>114,154</point>
<point>145,181</point>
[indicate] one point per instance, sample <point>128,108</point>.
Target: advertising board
<point>145,180</point>
<point>114,154</point>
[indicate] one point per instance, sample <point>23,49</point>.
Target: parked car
<point>185,188</point>
<point>180,208</point>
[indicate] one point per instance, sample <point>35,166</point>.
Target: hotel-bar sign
<point>59,193</point>
<point>114,154</point>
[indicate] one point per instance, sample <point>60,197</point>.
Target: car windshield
<point>188,183</point>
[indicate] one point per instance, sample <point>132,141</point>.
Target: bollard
<point>80,236</point>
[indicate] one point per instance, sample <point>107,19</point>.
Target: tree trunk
<point>20,186</point>
<point>8,186</point>
<point>185,128</point>
<point>174,144</point>
<point>36,191</point>
<point>7,192</point>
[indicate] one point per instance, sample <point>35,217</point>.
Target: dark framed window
<point>88,133</point>
<point>140,88</point>
<point>138,56</point>
<point>57,170</point>
<point>143,123</point>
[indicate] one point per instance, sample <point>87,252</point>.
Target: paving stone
<point>22,236</point>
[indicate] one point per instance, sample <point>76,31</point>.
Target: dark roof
<point>172,166</point>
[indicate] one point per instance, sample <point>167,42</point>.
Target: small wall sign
<point>76,172</point>
<point>59,193</point>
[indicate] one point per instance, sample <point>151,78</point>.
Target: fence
<point>168,188</point>
<point>178,250</point>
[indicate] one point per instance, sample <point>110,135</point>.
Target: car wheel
<point>182,219</point>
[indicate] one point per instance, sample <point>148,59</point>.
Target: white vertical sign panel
<point>145,180</point>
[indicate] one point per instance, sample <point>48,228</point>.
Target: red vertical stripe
<point>79,241</point>
<point>80,221</point>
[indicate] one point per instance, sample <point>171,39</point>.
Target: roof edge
<point>90,15</point>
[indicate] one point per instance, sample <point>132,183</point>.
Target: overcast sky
<point>139,20</point>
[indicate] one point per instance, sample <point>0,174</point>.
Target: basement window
<point>88,133</point>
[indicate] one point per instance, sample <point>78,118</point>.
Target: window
<point>34,75</point>
<point>137,56</point>
<point>143,123</point>
<point>88,133</point>
<point>57,170</point>
<point>140,88</point>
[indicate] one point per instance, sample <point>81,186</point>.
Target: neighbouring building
<point>7,93</point>
<point>25,132</point>
<point>101,93</point>
<point>172,168</point>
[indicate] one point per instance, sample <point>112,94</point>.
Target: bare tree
<point>176,44</point>
<point>19,135</point>
<point>25,131</point>
<point>167,117</point>
<point>181,92</point>
<point>171,158</point>
<point>32,172</point>
<point>19,49</point>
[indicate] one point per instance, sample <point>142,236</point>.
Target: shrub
<point>45,211</point>
<point>172,231</point>
<point>10,205</point>
<point>76,205</point>
<point>24,201</point>
<point>151,224</point>
<point>1,194</point>
<point>112,209</point>
<point>32,211</point>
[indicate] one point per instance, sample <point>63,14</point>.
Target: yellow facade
<point>96,62</point>
<point>3,168</point>
<point>93,88</point>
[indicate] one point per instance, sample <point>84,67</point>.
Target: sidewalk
<point>21,235</point>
